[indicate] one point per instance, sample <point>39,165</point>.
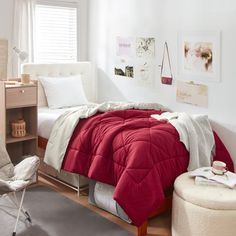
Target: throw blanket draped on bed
<point>196,134</point>
<point>128,149</point>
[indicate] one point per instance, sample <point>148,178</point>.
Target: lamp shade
<point>21,54</point>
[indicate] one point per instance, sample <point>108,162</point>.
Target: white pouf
<point>202,210</point>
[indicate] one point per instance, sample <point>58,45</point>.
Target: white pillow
<point>63,91</point>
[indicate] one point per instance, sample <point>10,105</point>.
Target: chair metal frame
<point>19,205</point>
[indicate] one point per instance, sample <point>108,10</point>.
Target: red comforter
<point>134,152</point>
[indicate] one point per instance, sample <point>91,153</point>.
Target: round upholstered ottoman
<point>200,210</point>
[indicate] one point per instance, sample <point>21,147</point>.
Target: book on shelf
<point>205,176</point>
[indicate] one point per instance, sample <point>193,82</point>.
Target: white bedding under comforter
<point>47,118</point>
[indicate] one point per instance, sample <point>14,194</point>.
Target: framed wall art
<point>192,93</point>
<point>199,55</point>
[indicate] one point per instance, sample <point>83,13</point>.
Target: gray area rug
<point>55,215</point>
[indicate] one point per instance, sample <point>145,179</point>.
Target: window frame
<point>82,33</point>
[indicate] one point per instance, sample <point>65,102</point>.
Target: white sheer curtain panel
<point>23,32</point>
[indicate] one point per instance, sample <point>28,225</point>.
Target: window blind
<point>56,33</point>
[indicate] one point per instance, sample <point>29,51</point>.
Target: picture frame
<point>199,55</point>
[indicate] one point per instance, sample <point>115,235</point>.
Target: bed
<point>154,138</point>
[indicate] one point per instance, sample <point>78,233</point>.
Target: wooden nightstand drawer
<point>20,97</point>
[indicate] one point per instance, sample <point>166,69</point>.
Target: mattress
<point>47,118</point>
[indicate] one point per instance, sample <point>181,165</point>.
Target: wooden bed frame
<point>42,143</point>
<point>86,71</point>
<point>165,206</point>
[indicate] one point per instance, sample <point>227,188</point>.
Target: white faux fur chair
<point>16,178</point>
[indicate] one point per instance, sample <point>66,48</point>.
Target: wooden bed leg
<point>142,230</point>
<point>78,192</point>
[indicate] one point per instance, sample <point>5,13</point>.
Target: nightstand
<point>18,102</point>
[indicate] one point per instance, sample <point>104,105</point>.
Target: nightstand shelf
<point>11,139</point>
<point>19,102</point>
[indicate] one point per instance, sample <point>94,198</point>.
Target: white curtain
<point>23,31</point>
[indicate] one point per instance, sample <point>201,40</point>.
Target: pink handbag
<point>166,79</point>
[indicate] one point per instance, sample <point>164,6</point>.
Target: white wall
<point>82,29</point>
<point>6,13</point>
<point>163,19</point>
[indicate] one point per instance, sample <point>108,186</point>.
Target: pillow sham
<point>63,91</point>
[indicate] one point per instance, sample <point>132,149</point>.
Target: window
<point>55,32</point>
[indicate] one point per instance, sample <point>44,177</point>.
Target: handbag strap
<point>168,57</point>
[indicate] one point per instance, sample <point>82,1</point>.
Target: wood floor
<point>158,226</point>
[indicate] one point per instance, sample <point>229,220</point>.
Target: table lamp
<point>21,54</point>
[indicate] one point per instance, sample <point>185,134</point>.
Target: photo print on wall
<point>192,93</point>
<point>125,46</point>
<point>145,47</point>
<point>124,68</point>
<point>199,55</point>
<point>144,73</point>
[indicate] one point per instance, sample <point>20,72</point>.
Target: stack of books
<point>205,176</point>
